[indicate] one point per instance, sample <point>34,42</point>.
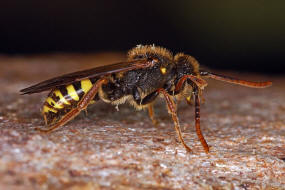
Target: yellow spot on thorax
<point>54,104</point>
<point>47,109</point>
<point>86,85</point>
<point>72,92</point>
<point>62,100</point>
<point>163,70</point>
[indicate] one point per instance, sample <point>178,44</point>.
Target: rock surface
<point>108,149</point>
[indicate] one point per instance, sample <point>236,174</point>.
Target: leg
<point>86,112</point>
<point>150,98</point>
<point>151,115</point>
<point>190,103</point>
<point>201,83</point>
<point>172,109</point>
<point>198,84</point>
<point>82,105</point>
<point>146,100</point>
<point>197,121</point>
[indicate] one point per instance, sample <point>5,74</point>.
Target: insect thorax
<point>145,80</point>
<point>186,65</point>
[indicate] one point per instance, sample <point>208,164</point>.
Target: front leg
<point>198,84</point>
<point>172,110</point>
<point>197,120</point>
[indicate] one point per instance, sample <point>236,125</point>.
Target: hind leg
<point>82,105</point>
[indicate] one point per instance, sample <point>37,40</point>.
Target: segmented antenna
<point>236,81</point>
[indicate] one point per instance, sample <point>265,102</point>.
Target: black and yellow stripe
<point>63,99</point>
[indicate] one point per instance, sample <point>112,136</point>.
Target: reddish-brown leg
<point>172,109</point>
<point>200,84</point>
<point>151,115</point>
<point>82,105</point>
<point>197,122</point>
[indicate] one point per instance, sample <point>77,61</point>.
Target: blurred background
<point>246,36</point>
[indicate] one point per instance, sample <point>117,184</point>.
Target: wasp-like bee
<point>148,72</point>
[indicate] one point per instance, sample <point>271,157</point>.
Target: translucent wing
<point>89,73</point>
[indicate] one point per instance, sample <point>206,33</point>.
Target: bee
<point>149,72</point>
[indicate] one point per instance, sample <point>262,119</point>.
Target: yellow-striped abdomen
<point>47,109</point>
<point>72,92</point>
<point>86,85</point>
<point>62,100</point>
<point>51,102</point>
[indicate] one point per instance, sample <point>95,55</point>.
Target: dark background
<point>247,36</point>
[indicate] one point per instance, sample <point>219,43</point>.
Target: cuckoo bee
<point>149,72</point>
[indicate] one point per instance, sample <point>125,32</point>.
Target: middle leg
<point>151,115</point>
<point>147,101</point>
<point>171,108</point>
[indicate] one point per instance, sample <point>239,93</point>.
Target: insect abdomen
<point>61,100</point>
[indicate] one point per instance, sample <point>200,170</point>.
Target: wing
<point>89,73</point>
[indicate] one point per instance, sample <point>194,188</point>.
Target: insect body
<point>148,72</point>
